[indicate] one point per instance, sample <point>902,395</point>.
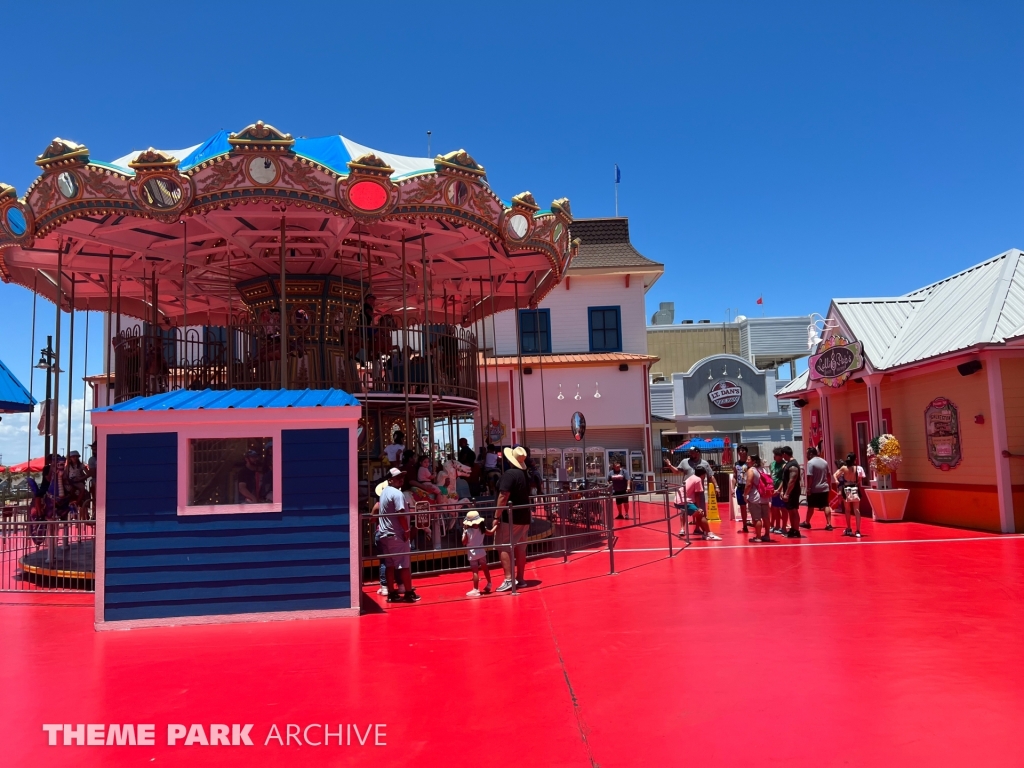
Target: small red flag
<point>760,300</point>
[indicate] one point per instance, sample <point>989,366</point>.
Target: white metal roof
<point>799,384</point>
<point>979,306</point>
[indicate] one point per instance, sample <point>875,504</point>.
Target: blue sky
<point>796,150</point>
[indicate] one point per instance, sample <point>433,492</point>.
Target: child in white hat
<point>473,537</point>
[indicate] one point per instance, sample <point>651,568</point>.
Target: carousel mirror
<point>518,225</point>
<point>263,170</point>
<point>161,193</point>
<point>458,193</point>
<point>558,232</point>
<point>67,184</point>
<point>16,221</point>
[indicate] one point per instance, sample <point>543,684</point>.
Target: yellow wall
<point>1013,402</point>
<point>964,496</point>
<point>683,345</point>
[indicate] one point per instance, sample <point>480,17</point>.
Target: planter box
<point>888,506</point>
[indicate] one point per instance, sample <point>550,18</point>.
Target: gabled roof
<point>980,306</point>
<point>604,243</point>
<point>799,384</point>
<point>209,399</point>
<point>14,398</point>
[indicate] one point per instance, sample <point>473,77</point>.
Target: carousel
<point>380,264</point>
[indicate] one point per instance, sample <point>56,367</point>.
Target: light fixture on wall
<point>597,391</point>
<point>739,374</point>
<point>725,370</point>
<point>577,396</point>
<point>710,377</point>
<point>560,395</point>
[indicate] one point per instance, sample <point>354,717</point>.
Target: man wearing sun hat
<point>514,491</point>
<point>393,532</point>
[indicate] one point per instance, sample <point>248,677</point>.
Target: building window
<point>605,329</point>
<point>534,331</point>
<point>231,470</point>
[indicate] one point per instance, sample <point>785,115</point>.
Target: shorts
<point>778,503</point>
<point>621,498</point>
<point>475,561</point>
<point>395,552</point>
<point>740,498</point>
<point>758,511</point>
<point>793,502</point>
<point>519,534</point>
<point>817,500</point>
<point>851,493</point>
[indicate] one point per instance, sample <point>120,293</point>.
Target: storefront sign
<point>942,433</point>
<point>495,431</point>
<point>725,394</point>
<point>578,425</point>
<point>837,361</point>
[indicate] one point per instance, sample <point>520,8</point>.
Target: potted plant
<point>885,457</point>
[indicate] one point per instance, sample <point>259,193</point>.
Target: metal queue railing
<point>46,555</point>
<point>562,524</point>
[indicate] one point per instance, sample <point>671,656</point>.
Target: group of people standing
<point>770,496</point>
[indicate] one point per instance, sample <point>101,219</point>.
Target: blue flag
<point>618,176</point>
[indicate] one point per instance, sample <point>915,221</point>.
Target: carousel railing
<point>442,361</point>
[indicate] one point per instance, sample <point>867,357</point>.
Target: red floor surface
<point>903,648</point>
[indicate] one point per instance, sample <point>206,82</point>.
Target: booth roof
<point>14,398</point>
<point>710,444</point>
<point>188,400</point>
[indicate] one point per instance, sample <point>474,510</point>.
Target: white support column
<point>825,411</point>
<point>999,443</point>
<point>874,384</point>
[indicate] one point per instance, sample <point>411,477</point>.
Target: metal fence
<point>561,524</point>
<point>360,359</point>
<point>46,555</point>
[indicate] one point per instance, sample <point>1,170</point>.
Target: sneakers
<point>806,525</point>
<point>487,588</point>
<point>411,597</point>
<point>505,586</point>
<point>711,537</point>
<point>394,597</point>
<point>473,593</point>
<point>856,535</point>
<point>520,583</point>
<point>766,539</point>
<point>794,534</point>
<point>383,591</point>
<point>848,532</point>
<point>828,528</point>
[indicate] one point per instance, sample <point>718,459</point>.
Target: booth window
<point>534,331</point>
<point>605,329</point>
<point>231,471</point>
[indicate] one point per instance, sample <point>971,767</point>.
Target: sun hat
<point>472,518</point>
<point>517,456</point>
<point>380,487</point>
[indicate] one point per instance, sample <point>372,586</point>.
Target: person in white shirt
<point>473,537</point>
<point>396,449</point>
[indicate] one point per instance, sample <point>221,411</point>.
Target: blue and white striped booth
<point>220,506</point>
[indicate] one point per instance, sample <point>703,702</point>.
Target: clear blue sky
<point>799,150</point>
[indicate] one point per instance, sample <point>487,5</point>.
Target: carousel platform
<point>74,562</point>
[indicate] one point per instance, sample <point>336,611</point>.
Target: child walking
<point>473,537</point>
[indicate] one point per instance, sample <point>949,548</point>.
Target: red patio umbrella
<point>35,465</point>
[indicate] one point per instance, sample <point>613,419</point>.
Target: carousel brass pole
<point>31,358</point>
<point>426,345</point>
<point>56,369</point>
<point>230,327</point>
<point>71,361</point>
<point>494,341</point>
<point>284,316</point>
<point>405,339</point>
<point>363,321</point>
<point>85,384</point>
<point>543,404</point>
<point>108,350</point>
<point>519,355</point>
<point>487,387</point>
<point>184,290</point>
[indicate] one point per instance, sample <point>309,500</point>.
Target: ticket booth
<point>226,506</point>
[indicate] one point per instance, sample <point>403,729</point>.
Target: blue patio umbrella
<point>14,398</point>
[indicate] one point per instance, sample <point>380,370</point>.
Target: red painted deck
<point>901,649</point>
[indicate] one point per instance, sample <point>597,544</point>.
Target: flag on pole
<point>618,175</point>
<point>760,299</point>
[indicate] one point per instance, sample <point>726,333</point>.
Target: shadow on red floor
<point>901,648</point>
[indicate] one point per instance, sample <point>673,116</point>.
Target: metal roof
<point>799,384</point>
<point>582,358</point>
<point>209,399</point>
<point>14,398</point>
<point>979,306</point>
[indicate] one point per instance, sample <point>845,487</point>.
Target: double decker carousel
<point>381,265</point>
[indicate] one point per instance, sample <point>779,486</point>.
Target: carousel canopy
<point>174,232</point>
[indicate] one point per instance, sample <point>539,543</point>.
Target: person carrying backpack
<point>758,489</point>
